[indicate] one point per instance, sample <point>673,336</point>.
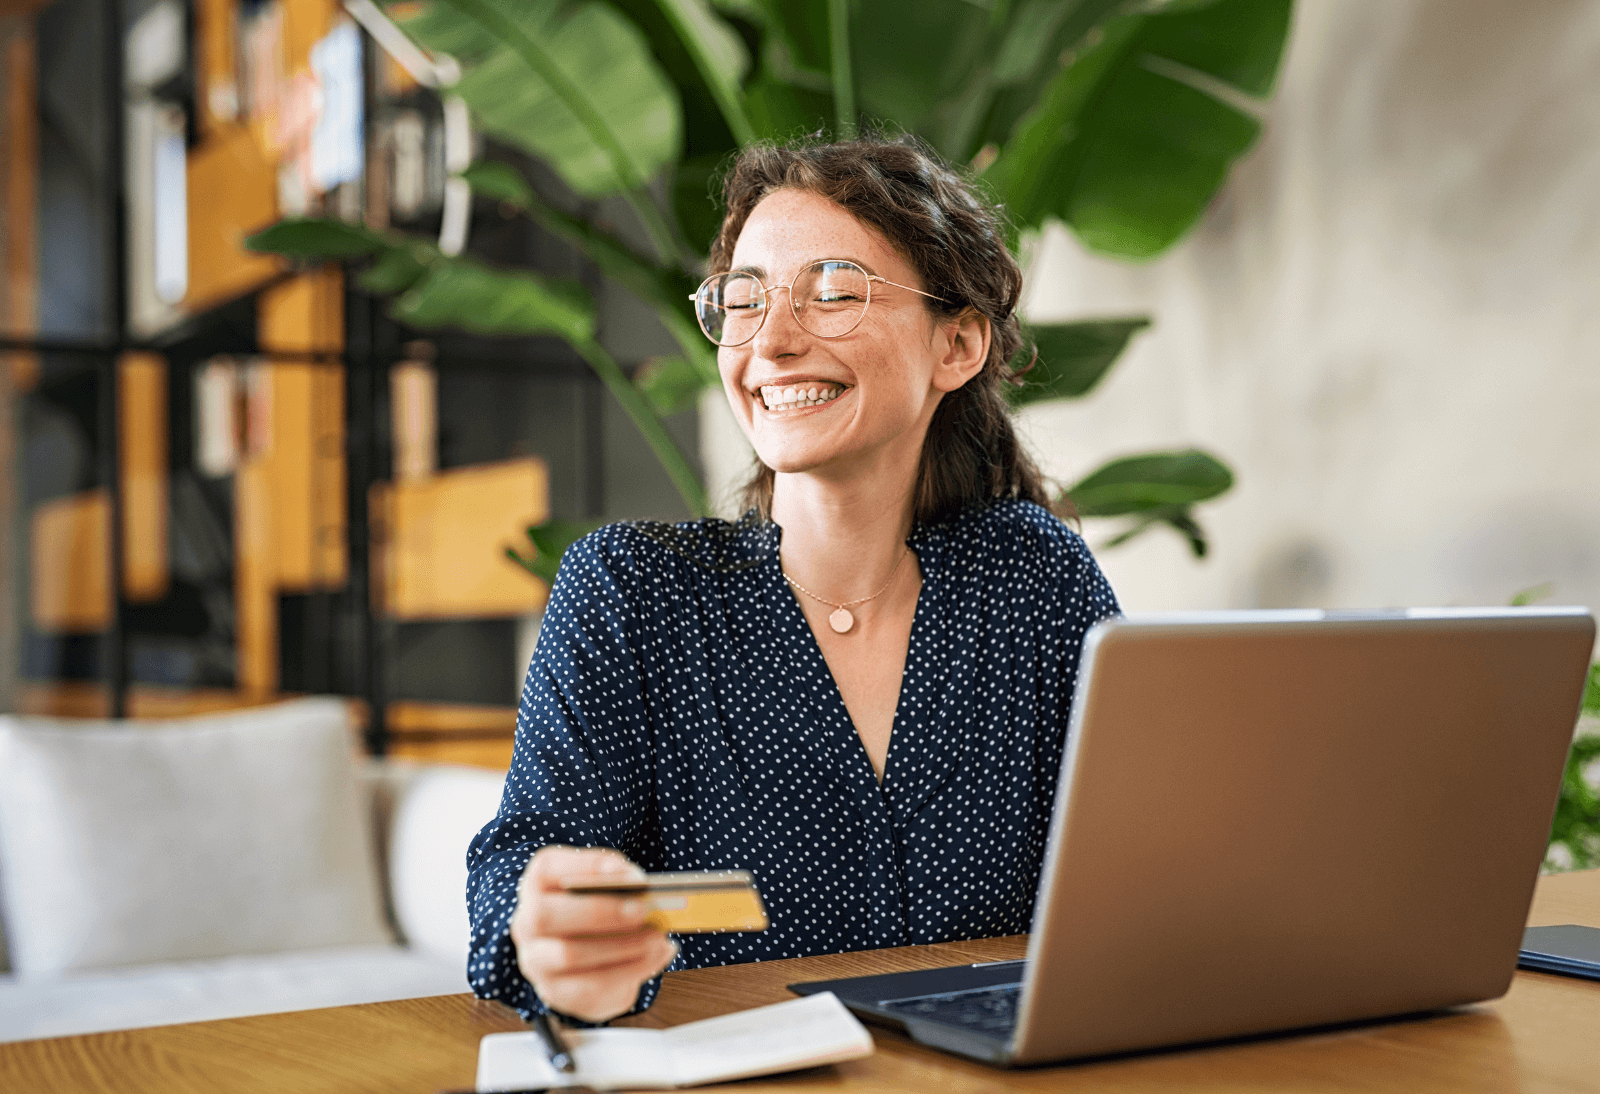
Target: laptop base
<point>882,1000</point>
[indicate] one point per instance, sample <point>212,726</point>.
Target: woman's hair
<point>956,241</point>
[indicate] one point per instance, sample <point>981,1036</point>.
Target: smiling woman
<point>944,235</point>
<point>860,691</point>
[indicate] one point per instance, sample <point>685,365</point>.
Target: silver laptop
<point>1275,820</point>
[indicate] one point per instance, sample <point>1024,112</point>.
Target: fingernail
<point>633,909</point>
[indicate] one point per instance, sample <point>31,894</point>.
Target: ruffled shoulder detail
<point>714,545</point>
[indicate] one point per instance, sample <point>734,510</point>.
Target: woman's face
<point>877,387</point>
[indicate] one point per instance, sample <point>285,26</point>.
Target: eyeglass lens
<point>828,299</point>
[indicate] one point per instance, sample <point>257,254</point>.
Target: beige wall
<point>1389,325</point>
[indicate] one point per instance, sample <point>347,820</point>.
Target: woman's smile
<point>787,398</point>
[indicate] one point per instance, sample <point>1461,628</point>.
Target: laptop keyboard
<point>990,1010</point>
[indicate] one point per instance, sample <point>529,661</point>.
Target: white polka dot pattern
<point>678,708</point>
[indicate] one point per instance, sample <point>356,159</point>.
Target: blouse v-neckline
<point>830,702</point>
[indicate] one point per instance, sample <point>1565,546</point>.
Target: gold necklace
<point>840,619</point>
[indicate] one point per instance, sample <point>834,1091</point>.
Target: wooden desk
<point>1543,1036</point>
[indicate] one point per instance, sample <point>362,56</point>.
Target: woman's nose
<point>781,333</point>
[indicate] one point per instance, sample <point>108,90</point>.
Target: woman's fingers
<point>596,995</point>
<point>552,868</point>
<point>570,956</point>
<point>586,955</point>
<point>565,914</point>
<point>545,908</point>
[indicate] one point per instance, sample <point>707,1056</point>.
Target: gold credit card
<point>689,901</point>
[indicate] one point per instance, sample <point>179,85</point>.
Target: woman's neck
<point>843,539</point>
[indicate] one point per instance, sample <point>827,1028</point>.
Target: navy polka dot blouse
<point>678,709</point>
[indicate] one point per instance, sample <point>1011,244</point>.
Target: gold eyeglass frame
<point>766,308</point>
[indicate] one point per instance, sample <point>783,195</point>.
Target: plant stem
<point>616,261</point>
<point>543,66</point>
<point>844,87</point>
<point>655,434</point>
<point>661,234</point>
<point>634,273</point>
<point>724,90</point>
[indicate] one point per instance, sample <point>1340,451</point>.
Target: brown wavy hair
<point>956,241</point>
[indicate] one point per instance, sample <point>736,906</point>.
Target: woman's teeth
<point>799,395</point>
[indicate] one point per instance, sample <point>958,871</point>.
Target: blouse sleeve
<point>580,772</point>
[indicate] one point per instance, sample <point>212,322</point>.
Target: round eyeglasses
<point>829,298</point>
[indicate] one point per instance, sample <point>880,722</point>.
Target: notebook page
<point>605,1058</point>
<point>803,1032</point>
<point>800,1033</point>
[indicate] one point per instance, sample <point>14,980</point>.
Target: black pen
<point>554,1047</point>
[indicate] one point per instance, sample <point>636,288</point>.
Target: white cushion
<point>230,987</point>
<point>130,843</point>
<point>439,811</point>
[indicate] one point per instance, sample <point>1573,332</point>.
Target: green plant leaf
<point>959,73</point>
<point>657,284</point>
<point>398,268</point>
<point>1025,45</point>
<point>666,289</point>
<point>441,28</point>
<point>781,111</point>
<point>1129,142</point>
<point>796,44</point>
<point>912,56</point>
<point>400,262</point>
<point>1152,158</point>
<point>698,211</point>
<point>317,238</point>
<point>466,294</point>
<point>1239,42</point>
<point>1523,597</point>
<point>671,384</point>
<point>1073,357</point>
<point>720,57</point>
<point>1177,517</point>
<point>1028,47</point>
<point>1042,157</point>
<point>841,69</point>
<point>1591,691</point>
<point>500,182</point>
<point>1156,481</point>
<point>1577,818</point>
<point>574,84</point>
<point>548,542</point>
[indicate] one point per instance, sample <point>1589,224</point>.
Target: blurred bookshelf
<point>236,481</point>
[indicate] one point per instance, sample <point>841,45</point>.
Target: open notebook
<point>801,1033</point>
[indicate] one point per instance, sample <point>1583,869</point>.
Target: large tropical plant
<point>1119,118</point>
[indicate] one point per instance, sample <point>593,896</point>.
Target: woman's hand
<point>586,956</point>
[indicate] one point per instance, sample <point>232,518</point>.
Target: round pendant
<point>841,620</point>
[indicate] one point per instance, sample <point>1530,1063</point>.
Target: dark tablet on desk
<point>1567,949</point>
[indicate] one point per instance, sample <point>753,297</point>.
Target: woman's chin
<point>790,450</point>
<point>791,463</point>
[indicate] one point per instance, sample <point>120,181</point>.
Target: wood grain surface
<point>1543,1037</point>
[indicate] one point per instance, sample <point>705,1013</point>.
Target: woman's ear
<point>966,349</point>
